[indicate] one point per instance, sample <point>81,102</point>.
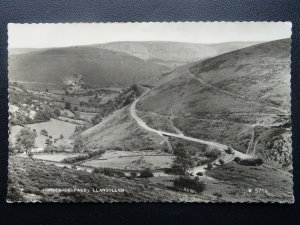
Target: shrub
<point>30,155</point>
<point>221,161</point>
<point>50,148</point>
<point>211,153</point>
<point>146,173</point>
<point>199,174</point>
<point>48,142</point>
<point>25,140</point>
<point>78,144</point>
<point>237,159</point>
<point>133,174</point>
<point>217,194</point>
<point>229,150</point>
<point>67,105</point>
<point>251,162</point>
<point>186,183</point>
<point>209,166</point>
<point>109,172</point>
<point>14,192</point>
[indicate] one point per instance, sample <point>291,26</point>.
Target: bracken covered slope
<point>226,97</point>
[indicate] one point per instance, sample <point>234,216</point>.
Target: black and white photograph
<point>150,112</point>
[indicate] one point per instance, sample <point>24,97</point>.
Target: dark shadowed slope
<point>173,54</point>
<point>98,66</point>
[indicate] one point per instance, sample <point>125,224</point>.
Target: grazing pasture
<point>131,160</point>
<point>54,128</point>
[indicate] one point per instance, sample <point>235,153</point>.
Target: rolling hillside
<point>173,54</point>
<point>119,130</point>
<point>224,98</point>
<point>98,66</point>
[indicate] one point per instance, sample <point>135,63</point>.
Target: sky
<point>72,34</point>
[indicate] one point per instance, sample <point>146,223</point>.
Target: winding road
<point>226,157</point>
<point>142,124</point>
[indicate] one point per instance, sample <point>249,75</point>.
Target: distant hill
<point>173,54</point>
<point>97,66</point>
<point>116,64</point>
<point>17,51</point>
<point>220,98</point>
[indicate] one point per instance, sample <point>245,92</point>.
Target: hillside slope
<point>224,98</point>
<point>173,54</point>
<point>97,66</point>
<point>119,130</point>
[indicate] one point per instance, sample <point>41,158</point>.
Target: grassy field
<point>54,128</point>
<point>136,160</point>
<point>87,115</point>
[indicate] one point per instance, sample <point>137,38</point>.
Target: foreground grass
<point>259,183</point>
<point>29,178</point>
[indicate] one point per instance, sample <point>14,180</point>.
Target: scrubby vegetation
<point>189,155</point>
<point>186,183</point>
<point>25,140</point>
<point>126,97</point>
<point>146,173</point>
<point>109,172</point>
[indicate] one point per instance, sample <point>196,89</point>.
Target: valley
<point>137,116</point>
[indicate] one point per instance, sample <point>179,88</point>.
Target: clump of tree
<point>124,98</point>
<point>189,184</point>
<point>183,160</point>
<point>48,142</point>
<point>86,156</point>
<point>79,144</point>
<point>249,162</point>
<point>68,105</point>
<point>209,166</point>
<point>44,132</point>
<point>46,113</point>
<point>96,119</point>
<point>212,153</point>
<point>146,173</point>
<point>25,140</point>
<point>95,100</point>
